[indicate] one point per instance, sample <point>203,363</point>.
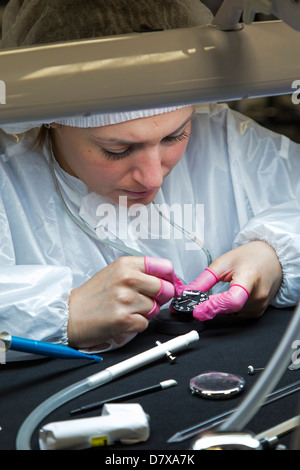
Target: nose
<point>148,170</point>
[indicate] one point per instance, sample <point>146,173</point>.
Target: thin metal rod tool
<point>280,429</point>
<point>217,420</point>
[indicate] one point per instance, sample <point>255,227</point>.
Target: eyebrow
<point>129,142</point>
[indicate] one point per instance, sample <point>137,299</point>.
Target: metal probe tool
<point>268,439</point>
<point>217,420</point>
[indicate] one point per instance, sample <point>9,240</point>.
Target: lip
<point>139,194</point>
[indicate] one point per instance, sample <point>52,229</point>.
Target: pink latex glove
<point>226,302</point>
<point>170,283</point>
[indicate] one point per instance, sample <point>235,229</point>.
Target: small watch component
<point>252,370</point>
<point>188,301</point>
<point>179,319</point>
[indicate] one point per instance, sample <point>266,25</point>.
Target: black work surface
<point>226,344</point>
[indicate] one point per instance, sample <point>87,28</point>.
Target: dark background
<point>227,344</point>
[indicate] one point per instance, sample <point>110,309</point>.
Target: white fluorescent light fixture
<point>173,67</point>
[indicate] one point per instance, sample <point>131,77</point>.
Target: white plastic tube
<point>96,380</point>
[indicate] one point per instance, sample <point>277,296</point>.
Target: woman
<point>94,215</point>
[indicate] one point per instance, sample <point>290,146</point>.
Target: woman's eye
<point>176,138</point>
<point>170,139</point>
<point>116,155</point>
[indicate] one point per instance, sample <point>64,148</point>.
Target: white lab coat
<point>246,178</point>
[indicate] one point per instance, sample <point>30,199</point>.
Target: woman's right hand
<point>119,300</point>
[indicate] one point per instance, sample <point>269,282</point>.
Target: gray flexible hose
<point>268,380</point>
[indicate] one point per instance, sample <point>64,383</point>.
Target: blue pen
<point>42,348</point>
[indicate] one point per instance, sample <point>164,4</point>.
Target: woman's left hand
<point>255,275</point>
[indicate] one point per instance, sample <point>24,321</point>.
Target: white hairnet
<point>28,22</point>
<point>96,120</point>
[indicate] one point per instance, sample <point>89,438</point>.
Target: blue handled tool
<point>42,348</point>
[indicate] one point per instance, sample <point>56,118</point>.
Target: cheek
<point>87,163</point>
<point>173,155</point>
<point>100,175</point>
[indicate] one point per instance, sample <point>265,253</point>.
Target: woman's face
<point>129,159</point>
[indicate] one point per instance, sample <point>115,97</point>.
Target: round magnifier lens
<point>217,385</point>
